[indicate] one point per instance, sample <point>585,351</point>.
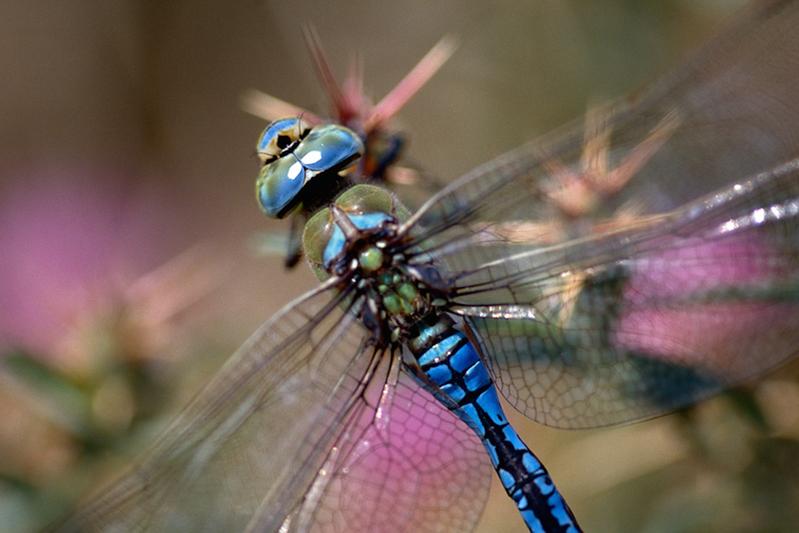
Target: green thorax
<point>371,256</point>
<point>355,201</point>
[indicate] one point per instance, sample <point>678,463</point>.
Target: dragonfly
<point>634,263</point>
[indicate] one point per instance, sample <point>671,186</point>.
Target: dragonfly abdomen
<point>450,361</point>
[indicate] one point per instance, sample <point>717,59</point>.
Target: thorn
<point>353,87</point>
<point>267,107</point>
<point>325,73</point>
<point>412,82</point>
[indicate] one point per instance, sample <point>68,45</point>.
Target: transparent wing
<point>643,320</point>
<point>563,330</point>
<point>252,441</point>
<point>720,118</point>
<point>405,463</point>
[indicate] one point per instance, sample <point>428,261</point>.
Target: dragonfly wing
<point>720,118</point>
<point>553,241</point>
<point>404,463</point>
<point>638,322</point>
<point>251,443</point>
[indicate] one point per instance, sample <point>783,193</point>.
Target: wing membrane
<point>722,117</point>
<point>404,463</point>
<point>252,441</point>
<point>595,298</point>
<point>641,321</point>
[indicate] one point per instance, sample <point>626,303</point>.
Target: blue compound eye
<point>329,147</point>
<point>293,155</point>
<point>280,137</point>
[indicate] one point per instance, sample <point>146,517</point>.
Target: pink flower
<point>72,240</point>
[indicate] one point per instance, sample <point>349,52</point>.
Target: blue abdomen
<point>450,361</point>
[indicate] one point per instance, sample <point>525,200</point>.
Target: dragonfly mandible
<point>634,264</point>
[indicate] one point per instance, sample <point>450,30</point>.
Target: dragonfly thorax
<point>356,239</point>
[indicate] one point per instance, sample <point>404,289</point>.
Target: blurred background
<point>127,269</point>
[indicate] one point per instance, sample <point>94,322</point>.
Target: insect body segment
<point>370,257</point>
<point>450,361</point>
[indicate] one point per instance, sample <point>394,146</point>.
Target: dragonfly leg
<point>294,249</point>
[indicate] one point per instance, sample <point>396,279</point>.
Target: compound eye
<point>279,138</point>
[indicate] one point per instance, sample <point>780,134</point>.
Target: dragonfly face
<point>293,154</point>
<point>350,108</point>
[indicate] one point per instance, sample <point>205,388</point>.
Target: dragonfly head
<point>292,154</point>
